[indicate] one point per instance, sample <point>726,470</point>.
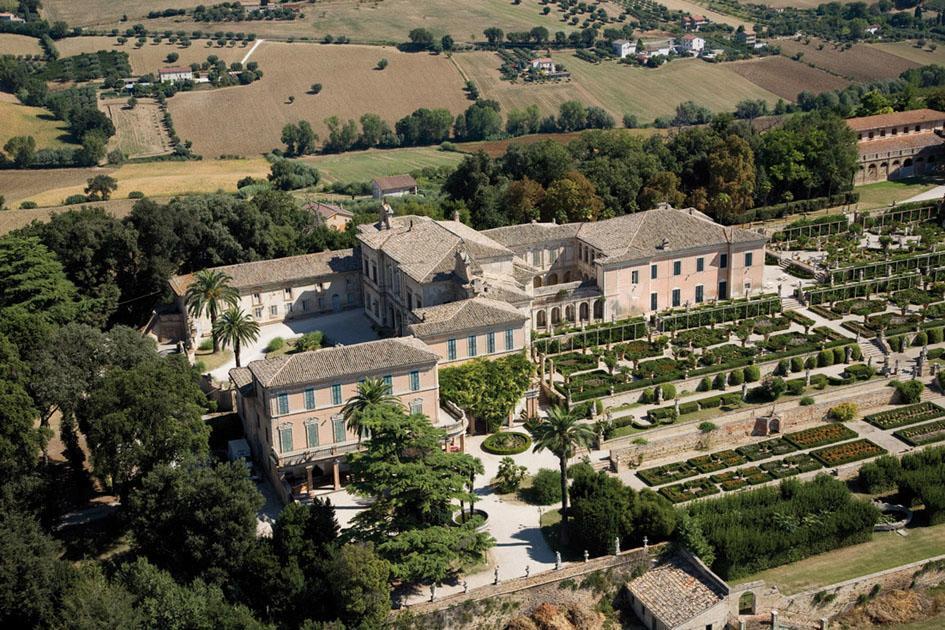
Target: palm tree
<point>562,433</point>
<point>371,392</point>
<point>209,290</point>
<point>236,328</point>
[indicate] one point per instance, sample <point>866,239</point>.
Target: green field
<point>882,194</point>
<point>886,551</point>
<point>21,120</point>
<point>366,165</point>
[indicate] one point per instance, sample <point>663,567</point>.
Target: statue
<point>465,586</point>
<point>586,555</point>
<point>528,570</point>
<point>659,394</point>
<point>645,544</point>
<point>807,377</point>
<point>432,592</point>
<point>557,560</point>
<point>496,574</point>
<point>617,545</point>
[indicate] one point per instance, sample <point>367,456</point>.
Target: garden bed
<point>902,416</point>
<point>717,461</point>
<point>507,443</point>
<point>847,452</point>
<point>923,434</point>
<point>820,436</point>
<point>667,473</point>
<point>766,450</point>
<point>567,364</point>
<point>791,465</point>
<point>689,490</point>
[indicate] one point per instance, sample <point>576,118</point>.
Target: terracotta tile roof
<point>911,117</point>
<point>425,248</point>
<point>177,70</point>
<point>666,229</point>
<point>464,315</point>
<point>901,142</point>
<point>292,270</point>
<point>675,591</point>
<point>327,210</point>
<point>517,236</point>
<point>242,377</point>
<point>395,182</point>
<point>342,361</point>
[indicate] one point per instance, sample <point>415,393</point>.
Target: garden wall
<point>739,427</point>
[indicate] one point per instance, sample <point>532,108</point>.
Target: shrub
<point>277,343</point>
<point>205,345</point>
<point>797,364</point>
<point>71,200</point>
<point>719,381</point>
<point>546,487</point>
<point>382,64</point>
<point>783,368</point>
<point>920,339</point>
<point>844,412</point>
<point>510,475</point>
<point>705,384</point>
<point>806,401</point>
<point>669,391</point>
<point>731,400</point>
<point>27,205</point>
<point>879,475</point>
<point>707,427</point>
<point>688,407</point>
<point>908,392</point>
<point>935,335</point>
<point>310,341</point>
<point>810,362</point>
<point>824,358</point>
<point>506,443</point>
<point>856,354</point>
<point>736,377</point>
<point>772,387</point>
<point>752,374</point>
<point>860,372</point>
<point>795,387</point>
<point>839,355</point>
<point>710,402</point>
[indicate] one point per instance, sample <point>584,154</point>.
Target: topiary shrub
<point>752,374</point>
<point>856,354</point>
<point>783,368</point>
<point>669,391</point>
<point>839,355</point>
<point>824,358</point>
<point>908,392</point>
<point>795,387</point>
<point>277,343</point>
<point>719,381</point>
<point>507,443</point>
<point>806,401</point>
<point>545,488</point>
<point>920,339</point>
<point>810,362</point>
<point>797,364</point>
<point>705,384</point>
<point>736,377</point>
<point>935,335</point>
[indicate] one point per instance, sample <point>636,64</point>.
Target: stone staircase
<point>872,349</point>
<point>790,303</point>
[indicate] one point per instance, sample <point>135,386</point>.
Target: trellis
<point>825,228</point>
<point>906,214</point>
<point>864,288</point>
<point>868,271</point>
<point>718,313</point>
<point>616,332</point>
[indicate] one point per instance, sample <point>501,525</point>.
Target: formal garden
<point>902,416</point>
<point>922,434</point>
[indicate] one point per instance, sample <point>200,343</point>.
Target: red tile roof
<point>395,182</point>
<point>174,70</point>
<point>911,117</point>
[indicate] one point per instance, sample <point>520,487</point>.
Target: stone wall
<point>512,597</point>
<point>741,427</point>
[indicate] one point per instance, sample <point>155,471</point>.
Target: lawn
<point>11,44</point>
<point>882,194</point>
<point>212,361</point>
<point>886,551</point>
<point>17,119</point>
<point>908,50</point>
<point>366,165</point>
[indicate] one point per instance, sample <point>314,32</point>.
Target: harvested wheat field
<point>152,57</point>
<point>787,78</point>
<point>15,219</point>
<point>698,8</point>
<point>34,185</point>
<point>17,119</point>
<point>861,62</point>
<point>139,131</point>
<point>908,50</point>
<point>618,88</point>
<point>11,44</point>
<point>248,120</point>
<point>364,21</point>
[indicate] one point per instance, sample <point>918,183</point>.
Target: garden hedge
<point>507,443</point>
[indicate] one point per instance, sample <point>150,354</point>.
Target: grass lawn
<point>882,194</point>
<point>212,361</point>
<point>366,165</point>
<point>886,551</point>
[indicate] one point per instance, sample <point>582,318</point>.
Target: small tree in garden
<point>844,412</point>
<point>510,475</point>
<point>773,386</point>
<point>908,392</point>
<point>719,381</point>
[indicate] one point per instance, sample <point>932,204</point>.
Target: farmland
<point>248,120</point>
<point>861,62</point>
<point>49,188</point>
<point>21,120</point>
<point>15,219</point>
<point>11,44</point>
<point>151,57</point>
<point>618,88</point>
<point>696,8</point>
<point>495,148</point>
<point>908,50</point>
<point>381,21</point>
<point>787,78</point>
<point>139,132</point>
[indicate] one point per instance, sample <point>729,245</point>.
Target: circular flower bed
<point>506,443</point>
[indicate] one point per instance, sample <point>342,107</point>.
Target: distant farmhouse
<point>694,22</point>
<point>10,17</point>
<point>691,44</point>
<point>169,75</point>
<point>393,186</point>
<point>335,217</point>
<point>897,145</point>
<point>624,47</point>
